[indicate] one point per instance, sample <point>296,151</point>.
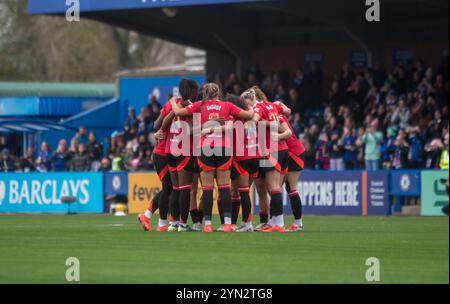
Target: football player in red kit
<point>215,148</point>
<point>275,152</point>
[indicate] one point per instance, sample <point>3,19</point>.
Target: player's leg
<point>276,198</point>
<point>174,207</point>
<point>186,172</point>
<point>296,203</point>
<point>207,198</point>
<point>162,169</point>
<point>261,189</point>
<point>185,180</point>
<point>223,183</point>
<point>144,218</point>
<point>246,169</point>
<point>235,200</point>
<point>194,210</point>
<point>274,177</point>
<point>164,203</point>
<point>295,166</point>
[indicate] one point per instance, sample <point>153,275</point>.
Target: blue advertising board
<point>404,183</point>
<point>314,58</point>
<point>403,56</point>
<point>339,193</point>
<point>377,185</point>
<point>359,59</point>
<point>41,193</point>
<point>116,183</point>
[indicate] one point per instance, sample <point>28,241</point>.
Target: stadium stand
<point>370,119</point>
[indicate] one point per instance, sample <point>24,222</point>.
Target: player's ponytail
<point>260,95</point>
<point>210,91</point>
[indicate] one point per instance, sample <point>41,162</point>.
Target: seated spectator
<point>105,165</point>
<point>27,162</point>
<point>81,161</point>
<point>145,162</point>
<point>7,163</point>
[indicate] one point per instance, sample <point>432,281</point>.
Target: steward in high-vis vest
<point>444,160</point>
<point>443,164</point>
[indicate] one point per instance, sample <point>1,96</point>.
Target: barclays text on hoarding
<point>33,192</point>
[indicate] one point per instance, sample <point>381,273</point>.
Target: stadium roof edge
<point>59,6</point>
<point>64,89</point>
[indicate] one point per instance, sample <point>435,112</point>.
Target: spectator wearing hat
<point>372,140</point>
<point>6,162</point>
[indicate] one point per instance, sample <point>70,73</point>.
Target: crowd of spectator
<point>370,119</point>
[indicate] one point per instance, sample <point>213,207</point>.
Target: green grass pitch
<point>34,248</point>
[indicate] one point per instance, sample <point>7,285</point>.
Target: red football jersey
<point>294,144</point>
<point>271,112</point>
<point>160,147</point>
<point>246,142</point>
<point>214,109</point>
<point>173,143</point>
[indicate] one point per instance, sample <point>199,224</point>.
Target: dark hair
<point>194,90</point>
<point>236,100</point>
<point>185,89</point>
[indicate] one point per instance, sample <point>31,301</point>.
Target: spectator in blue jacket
<point>417,147</point>
<point>350,149</point>
<point>44,159</point>
<point>59,158</point>
<point>82,136</point>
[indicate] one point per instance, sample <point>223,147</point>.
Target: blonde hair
<point>249,94</point>
<point>210,91</point>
